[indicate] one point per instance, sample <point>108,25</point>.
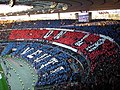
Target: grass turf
<point>3,83</point>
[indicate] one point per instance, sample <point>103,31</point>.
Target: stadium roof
<point>38,6</point>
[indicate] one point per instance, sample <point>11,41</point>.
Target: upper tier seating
<point>4,34</point>
<point>42,24</point>
<point>107,28</point>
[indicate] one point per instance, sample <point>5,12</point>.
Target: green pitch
<point>3,84</point>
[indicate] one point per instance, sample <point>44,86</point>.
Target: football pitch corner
<point>3,82</point>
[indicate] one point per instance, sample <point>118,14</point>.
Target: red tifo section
<point>86,41</point>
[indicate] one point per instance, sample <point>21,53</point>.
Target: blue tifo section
<point>112,29</point>
<point>42,24</point>
<point>8,48</point>
<point>50,62</point>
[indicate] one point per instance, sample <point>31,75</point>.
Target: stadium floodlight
<point>53,5</point>
<point>52,11</point>
<point>12,3</point>
<point>65,7</point>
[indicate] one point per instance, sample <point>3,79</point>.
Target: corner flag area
<point>3,83</point>
<point>16,74</point>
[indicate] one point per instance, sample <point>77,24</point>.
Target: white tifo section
<point>44,56</point>
<point>48,34</point>
<point>30,56</point>
<point>34,53</point>
<point>81,41</point>
<point>54,71</point>
<point>52,29</point>
<point>71,30</point>
<point>65,46</point>
<point>95,45</point>
<point>52,61</point>
<point>57,69</point>
<point>60,34</point>
<point>106,37</point>
<point>27,50</point>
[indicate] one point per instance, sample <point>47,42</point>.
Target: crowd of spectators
<point>99,23</point>
<point>52,68</point>
<point>42,24</point>
<point>106,71</point>
<point>90,45</point>
<point>102,55</point>
<point>107,28</point>
<point>4,34</point>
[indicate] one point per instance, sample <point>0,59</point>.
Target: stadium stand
<point>52,69</point>
<point>4,34</point>
<point>55,65</point>
<point>105,27</point>
<point>60,45</point>
<point>42,24</point>
<point>108,28</point>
